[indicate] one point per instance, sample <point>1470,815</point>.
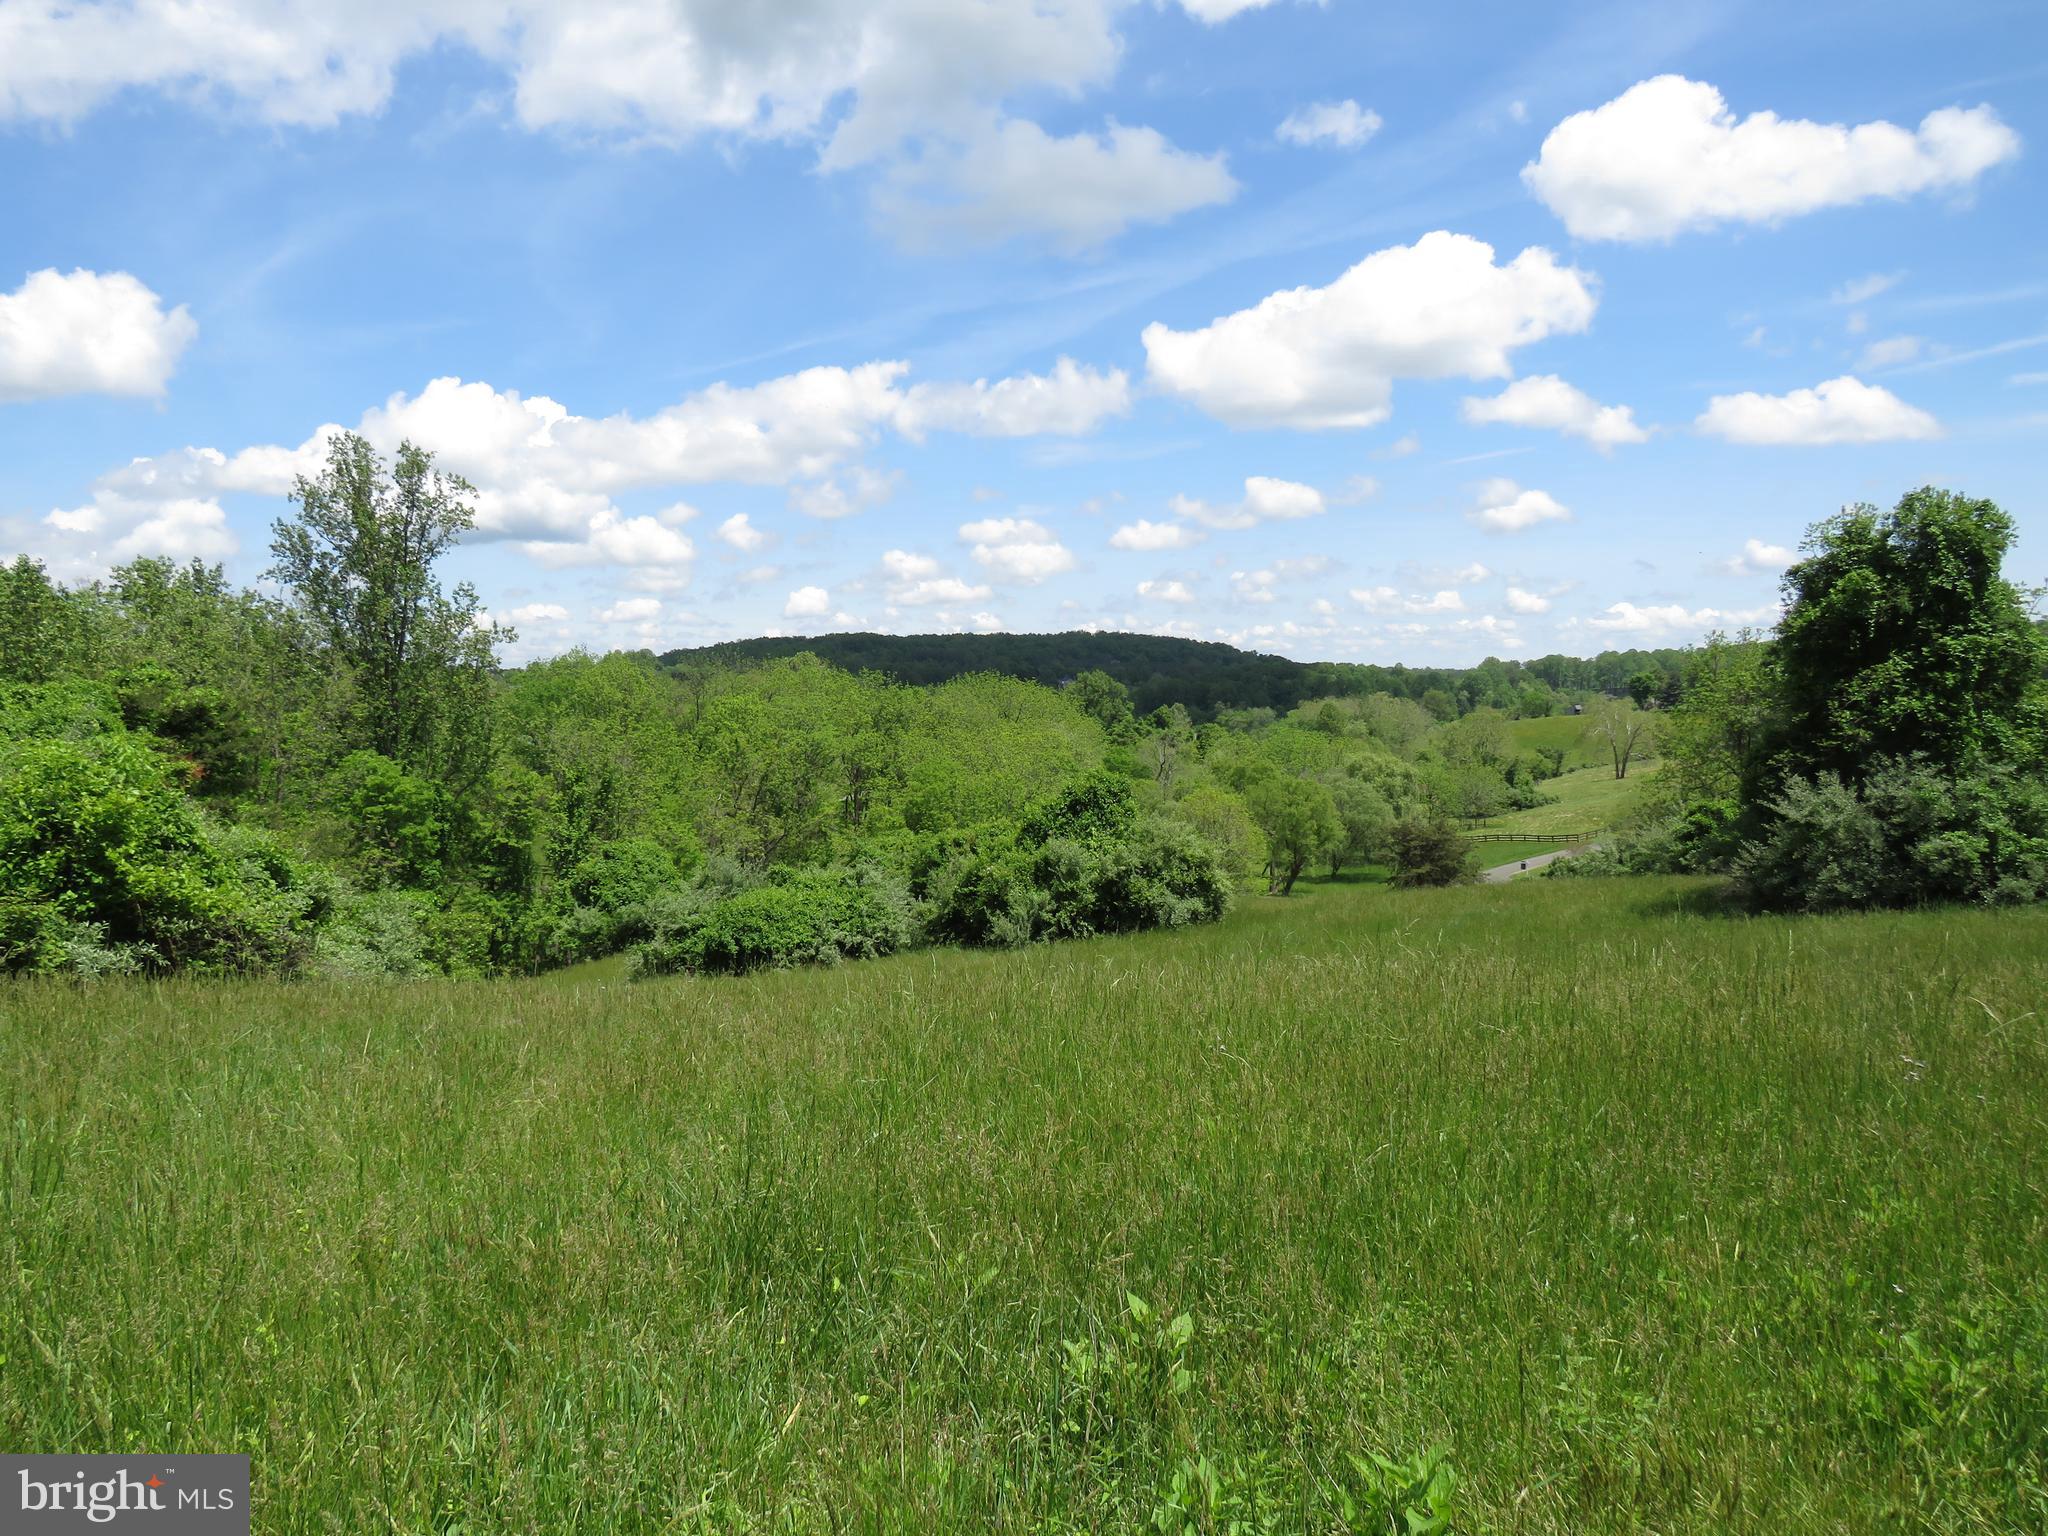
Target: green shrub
<point>396,825</point>
<point>37,939</point>
<point>604,905</point>
<point>1163,874</point>
<point>467,935</point>
<point>1224,820</point>
<point>1699,840</point>
<point>1428,850</point>
<point>284,898</point>
<point>97,835</point>
<point>377,934</point>
<point>1911,833</point>
<point>203,725</point>
<point>68,711</point>
<point>985,896</point>
<point>802,917</point>
<point>1100,804</point>
<point>617,875</point>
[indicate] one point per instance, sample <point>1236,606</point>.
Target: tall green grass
<point>1650,1219</point>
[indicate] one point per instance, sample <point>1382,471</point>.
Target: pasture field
<point>1567,732</point>
<point>1645,1217</point>
<point>1585,800</point>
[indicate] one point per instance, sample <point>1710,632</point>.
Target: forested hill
<point>1203,675</point>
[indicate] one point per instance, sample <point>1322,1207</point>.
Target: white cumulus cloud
<point>1266,499</point>
<point>918,580</point>
<point>1163,591</point>
<point>914,86</point>
<point>1016,549</point>
<point>1328,357</point>
<point>739,532</point>
<point>1668,155</point>
<point>1504,507</point>
<point>1758,559</point>
<point>807,603</point>
<point>1844,410</point>
<point>1521,600</point>
<point>1659,621</point>
<point>1547,401</point>
<point>81,332</point>
<point>1214,11</point>
<point>1069,401</point>
<point>610,539</point>
<point>1150,536</point>
<point>850,490</point>
<point>1392,600</point>
<point>546,477</point>
<point>539,613</point>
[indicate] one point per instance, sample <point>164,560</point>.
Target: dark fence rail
<point>1565,838</point>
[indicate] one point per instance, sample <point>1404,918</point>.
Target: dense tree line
<point>1206,677</point>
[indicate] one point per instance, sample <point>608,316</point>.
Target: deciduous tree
<point>359,559</point>
<point>1901,636</point>
<point>1618,726</point>
<point>1299,819</point>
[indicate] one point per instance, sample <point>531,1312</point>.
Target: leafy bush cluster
<point>1909,833</point>
<point>333,775</point>
<point>108,866</point>
<point>796,917</point>
<point>1083,861</point>
<point>1153,873</point>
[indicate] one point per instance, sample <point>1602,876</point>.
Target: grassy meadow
<point>1645,1217</point>
<point>1578,800</point>
<point>1570,734</point>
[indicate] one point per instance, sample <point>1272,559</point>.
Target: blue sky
<point>1346,331</point>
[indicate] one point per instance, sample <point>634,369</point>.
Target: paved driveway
<point>1505,872</point>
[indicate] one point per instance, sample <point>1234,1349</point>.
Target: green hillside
<point>1202,675</point>
<point>1588,799</point>
<point>1563,732</point>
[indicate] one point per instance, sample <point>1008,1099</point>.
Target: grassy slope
<point>1656,1220</point>
<point>1564,731</point>
<point>1585,800</point>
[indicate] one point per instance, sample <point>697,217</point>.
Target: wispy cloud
<point>1951,359</point>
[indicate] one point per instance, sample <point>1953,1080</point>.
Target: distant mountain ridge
<point>1203,675</point>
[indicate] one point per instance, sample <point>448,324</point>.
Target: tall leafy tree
<point>1901,636</point>
<point>1710,737</point>
<point>359,557</point>
<point>42,630</point>
<point>1108,701</point>
<point>1300,822</point>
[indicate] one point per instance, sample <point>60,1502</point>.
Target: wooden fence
<point>1566,839</point>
